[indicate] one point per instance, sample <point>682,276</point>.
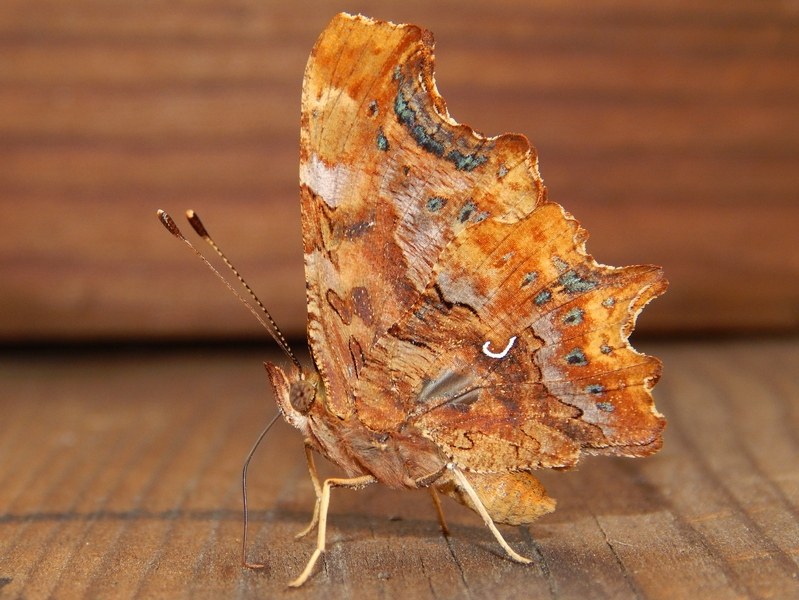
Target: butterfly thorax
<point>401,458</point>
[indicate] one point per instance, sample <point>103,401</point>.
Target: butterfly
<point>461,336</point>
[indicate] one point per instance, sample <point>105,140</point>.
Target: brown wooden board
<point>669,129</point>
<point>119,478</point>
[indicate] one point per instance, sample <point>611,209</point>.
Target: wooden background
<point>670,129</point>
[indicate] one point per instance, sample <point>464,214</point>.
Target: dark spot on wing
<point>576,357</point>
<point>362,304</point>
<point>356,353</point>
<point>529,278</point>
<point>574,316</point>
<point>595,388</point>
<point>357,229</point>
<point>466,211</point>
<point>373,108</point>
<point>436,203</point>
<point>339,306</point>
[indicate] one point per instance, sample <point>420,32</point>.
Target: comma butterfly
<point>461,335</point>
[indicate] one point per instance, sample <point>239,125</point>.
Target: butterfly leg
<point>467,487</point>
<point>324,504</point>
<point>317,489</point>
<point>439,511</point>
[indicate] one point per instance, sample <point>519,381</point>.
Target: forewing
<point>388,180</point>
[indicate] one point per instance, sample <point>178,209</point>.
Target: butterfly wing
<point>445,293</point>
<point>387,181</point>
<point>516,356</point>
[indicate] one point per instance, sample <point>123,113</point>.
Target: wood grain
<point>119,478</point>
<point>669,129</point>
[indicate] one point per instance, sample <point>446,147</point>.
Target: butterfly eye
<point>302,395</point>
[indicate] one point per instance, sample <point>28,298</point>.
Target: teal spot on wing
<point>407,116</point>
<point>529,278</point>
<point>595,388</point>
<point>427,141</point>
<point>404,112</point>
<point>466,211</point>
<point>466,162</point>
<point>382,142</point>
<point>574,284</point>
<point>574,316</point>
<point>542,297</point>
<point>436,203</point>
<point>430,134</point>
<point>576,357</point>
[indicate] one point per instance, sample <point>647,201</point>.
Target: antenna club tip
<point>197,224</point>
<point>170,225</point>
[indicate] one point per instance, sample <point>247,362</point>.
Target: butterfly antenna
<point>257,443</point>
<point>197,224</point>
<point>269,324</point>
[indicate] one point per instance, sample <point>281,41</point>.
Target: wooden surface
<point>119,477</point>
<point>670,129</point>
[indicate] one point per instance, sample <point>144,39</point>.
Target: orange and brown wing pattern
<point>516,356</point>
<point>446,294</point>
<point>388,180</point>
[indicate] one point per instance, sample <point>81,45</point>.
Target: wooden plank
<point>670,130</point>
<point>119,476</point>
